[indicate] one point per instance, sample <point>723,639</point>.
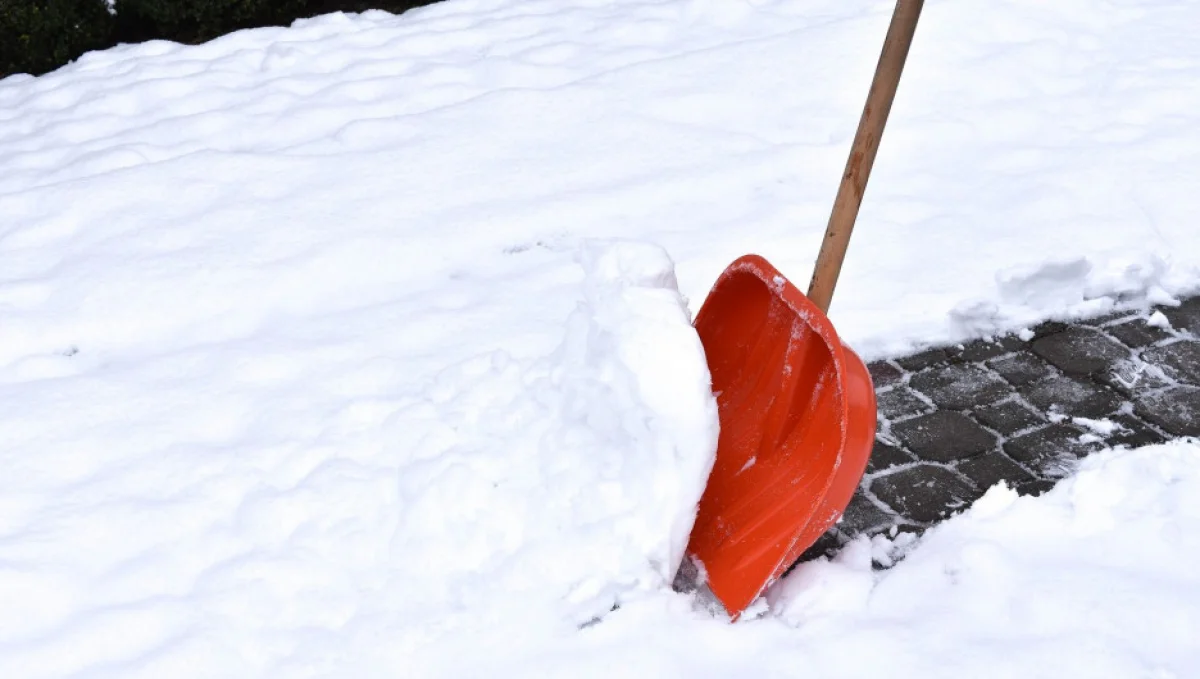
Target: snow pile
<point>1064,289</point>
<point>574,477</point>
<point>1096,578</point>
<point>545,491</point>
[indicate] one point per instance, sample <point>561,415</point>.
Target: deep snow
<point>319,358</point>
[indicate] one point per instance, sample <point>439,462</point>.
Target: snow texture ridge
<point>681,122</point>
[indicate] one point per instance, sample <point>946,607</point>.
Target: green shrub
<point>40,35</point>
<point>194,21</point>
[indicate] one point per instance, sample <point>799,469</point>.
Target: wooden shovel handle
<point>862,153</point>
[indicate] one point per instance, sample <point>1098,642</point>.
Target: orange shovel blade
<point>797,414</point>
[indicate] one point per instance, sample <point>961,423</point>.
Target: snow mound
<point>1095,578</point>
<point>497,502</point>
<point>573,478</point>
<point>1066,289</point>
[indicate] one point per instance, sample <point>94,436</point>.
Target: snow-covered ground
<point>355,348</point>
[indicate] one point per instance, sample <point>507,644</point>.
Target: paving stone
<point>1083,369</point>
<point>983,349</point>
<point>1175,409</point>
<point>862,516</point>
<point>1130,377</point>
<point>1008,417</point>
<point>886,456</point>
<point>1180,361</point>
<point>943,436</point>
<point>1047,448</point>
<point>1110,318</point>
<point>1020,369</point>
<point>1034,487</point>
<point>1079,350</point>
<point>900,402</point>
<point>991,468</point>
<point>1047,328</point>
<point>1186,316</point>
<point>960,386</point>
<point>825,545</point>
<point>1134,432</point>
<point>1072,396</point>
<point>924,359</point>
<point>925,492</point>
<point>1013,342</point>
<point>884,374</point>
<point>1137,333</point>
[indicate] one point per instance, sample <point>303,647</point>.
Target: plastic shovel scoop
<point>797,413</point>
<point>796,406</point>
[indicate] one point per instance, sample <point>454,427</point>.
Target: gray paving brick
<point>1130,377</point>
<point>1137,333</point>
<point>924,359</point>
<point>885,456</point>
<point>924,492</point>
<point>1079,350</point>
<point>862,515</point>
<point>1047,328</point>
<point>1175,409</point>
<point>1008,417</point>
<point>943,436</point>
<point>826,545</point>
<point>1185,317</point>
<point>900,402</point>
<point>983,349</point>
<point>1109,319</point>
<point>991,468</point>
<point>1048,447</point>
<point>1180,361</point>
<point>1020,369</point>
<point>1034,487</point>
<point>960,386</point>
<point>1073,396</point>
<point>884,374</point>
<point>1134,432</point>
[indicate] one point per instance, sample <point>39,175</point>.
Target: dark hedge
<point>40,35</point>
<point>37,36</point>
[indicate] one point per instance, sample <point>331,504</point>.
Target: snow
<point>1158,319</point>
<point>1096,578</point>
<point>360,348</point>
<point>556,487</point>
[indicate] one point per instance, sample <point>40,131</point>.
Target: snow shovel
<point>796,406</point>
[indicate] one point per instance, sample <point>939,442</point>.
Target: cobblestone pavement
<point>954,421</point>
